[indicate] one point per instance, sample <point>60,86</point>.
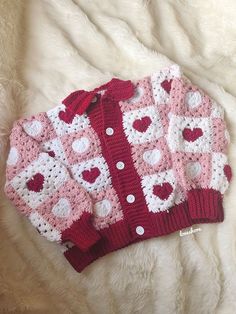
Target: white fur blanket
<point>50,47</point>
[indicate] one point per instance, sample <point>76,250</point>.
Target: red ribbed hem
<point>82,233</point>
<point>121,234</point>
<point>205,205</point>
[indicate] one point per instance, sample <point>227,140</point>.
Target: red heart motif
<point>192,135</point>
<point>228,172</point>
<point>91,175</point>
<point>35,184</point>
<point>142,124</point>
<point>163,190</point>
<point>51,153</point>
<point>66,116</point>
<point>166,85</point>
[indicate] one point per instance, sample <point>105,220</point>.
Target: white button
<point>130,198</point>
<point>109,131</point>
<point>120,165</point>
<point>140,230</point>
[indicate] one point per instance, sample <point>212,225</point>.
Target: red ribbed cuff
<point>82,233</point>
<point>205,205</point>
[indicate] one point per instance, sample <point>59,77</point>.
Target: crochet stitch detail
<point>125,162</point>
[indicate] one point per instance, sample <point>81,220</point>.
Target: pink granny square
<point>188,100</point>
<point>220,135</point>
<point>151,157</point>
<point>142,96</point>
<point>107,208</point>
<point>81,145</point>
<point>192,170</point>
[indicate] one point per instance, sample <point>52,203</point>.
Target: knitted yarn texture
<point>128,161</point>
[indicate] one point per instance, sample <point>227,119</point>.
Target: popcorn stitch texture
<point>120,164</point>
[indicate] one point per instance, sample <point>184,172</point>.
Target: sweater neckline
<point>114,90</point>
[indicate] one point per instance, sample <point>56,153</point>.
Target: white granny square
<point>178,143</point>
<point>156,204</point>
<point>152,131</point>
<point>56,146</point>
<point>159,94</point>
<point>102,177</point>
<point>52,180</point>
<point>78,123</point>
<point>219,181</point>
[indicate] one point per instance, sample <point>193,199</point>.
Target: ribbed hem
<point>121,234</point>
<point>113,238</point>
<point>82,233</point>
<point>205,205</point>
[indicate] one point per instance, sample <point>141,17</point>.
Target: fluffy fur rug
<point>49,48</point>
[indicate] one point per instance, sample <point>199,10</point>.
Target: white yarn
<point>62,208</point>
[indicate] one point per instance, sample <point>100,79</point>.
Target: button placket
<point>121,165</point>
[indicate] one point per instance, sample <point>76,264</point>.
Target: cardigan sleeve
<point>198,140</point>
<point>41,188</point>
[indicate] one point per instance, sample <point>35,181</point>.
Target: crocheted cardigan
<point>128,161</point>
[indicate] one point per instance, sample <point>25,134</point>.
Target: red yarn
<point>79,101</point>
<point>35,184</point>
<point>191,135</point>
